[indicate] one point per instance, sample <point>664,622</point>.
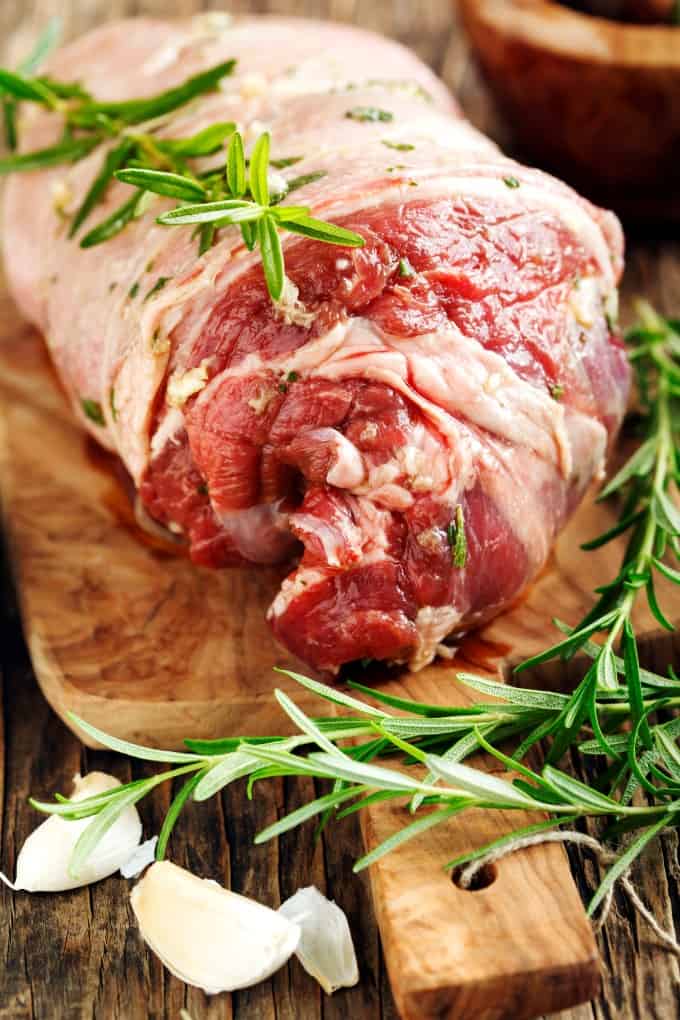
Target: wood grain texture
<point>79,956</point>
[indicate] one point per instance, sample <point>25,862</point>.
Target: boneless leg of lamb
<point>416,419</point>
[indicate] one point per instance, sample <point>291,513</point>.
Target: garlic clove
<point>325,950</point>
<point>141,857</point>
<point>42,865</point>
<point>206,935</point>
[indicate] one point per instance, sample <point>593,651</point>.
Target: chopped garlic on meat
<point>262,399</point>
<point>584,301</point>
<point>62,196</point>
<point>211,23</point>
<point>369,431</point>
<point>291,308</point>
<point>430,539</point>
<point>253,85</point>
<point>182,385</point>
<point>611,307</point>
<point>433,624</point>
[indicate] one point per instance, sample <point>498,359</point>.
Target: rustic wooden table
<point>78,955</point>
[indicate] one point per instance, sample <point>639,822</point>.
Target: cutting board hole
<point>482,879</point>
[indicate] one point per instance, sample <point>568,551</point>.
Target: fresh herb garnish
<point>241,197</point>
<point>405,268</point>
<point>238,194</point>
<point>399,146</point>
<point>93,410</point>
<point>42,49</point>
<point>511,182</point>
<point>112,404</point>
<point>369,114</point>
<point>557,391</point>
<point>158,286</point>
<point>457,539</point>
<point>299,182</point>
<point>88,124</point>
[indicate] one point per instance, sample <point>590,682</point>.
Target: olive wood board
<point>138,641</point>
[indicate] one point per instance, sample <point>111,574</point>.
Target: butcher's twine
<point>604,856</point>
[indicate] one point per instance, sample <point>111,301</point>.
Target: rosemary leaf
<point>236,166</point>
<point>272,256</point>
<point>162,183</point>
<point>114,223</point>
<point>69,150</point>
<point>136,111</point>
<point>112,161</point>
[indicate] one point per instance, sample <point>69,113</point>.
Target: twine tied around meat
<point>604,856</point>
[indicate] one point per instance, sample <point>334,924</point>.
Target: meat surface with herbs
<point>413,421</point>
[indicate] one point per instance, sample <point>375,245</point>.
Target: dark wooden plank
<point>78,955</point>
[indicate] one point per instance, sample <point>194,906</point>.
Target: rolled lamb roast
<point>414,420</point>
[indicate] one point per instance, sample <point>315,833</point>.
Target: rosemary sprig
<point>42,49</point>
<point>240,196</point>
<point>127,130</point>
<point>236,193</point>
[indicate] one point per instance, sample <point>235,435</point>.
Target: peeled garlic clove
<point>209,936</point>
<point>142,856</point>
<point>42,865</point>
<point>325,950</point>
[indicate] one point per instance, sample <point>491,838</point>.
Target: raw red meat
<point>462,367</point>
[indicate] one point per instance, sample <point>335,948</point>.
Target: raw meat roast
<point>457,377</point>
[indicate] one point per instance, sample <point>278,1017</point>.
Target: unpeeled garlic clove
<point>207,935</point>
<point>42,865</point>
<point>325,950</point>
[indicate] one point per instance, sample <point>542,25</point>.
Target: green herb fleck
<point>202,489</point>
<point>557,391</point>
<point>112,404</point>
<point>511,182</point>
<point>134,290</point>
<point>299,182</point>
<point>369,114</point>
<point>405,268</point>
<point>456,537</point>
<point>281,164</point>
<point>93,410</point>
<point>399,146</point>
<point>158,286</point>
<point>293,377</point>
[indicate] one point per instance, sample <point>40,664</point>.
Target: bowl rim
<point>585,37</point>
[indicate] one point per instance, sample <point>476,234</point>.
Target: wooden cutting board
<point>138,641</point>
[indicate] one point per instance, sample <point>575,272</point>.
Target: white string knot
<point>604,856</point>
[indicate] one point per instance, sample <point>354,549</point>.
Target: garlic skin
<point>325,950</point>
<point>142,856</point>
<point>42,865</point>
<point>206,935</point>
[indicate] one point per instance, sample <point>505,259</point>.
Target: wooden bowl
<point>595,101</point>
